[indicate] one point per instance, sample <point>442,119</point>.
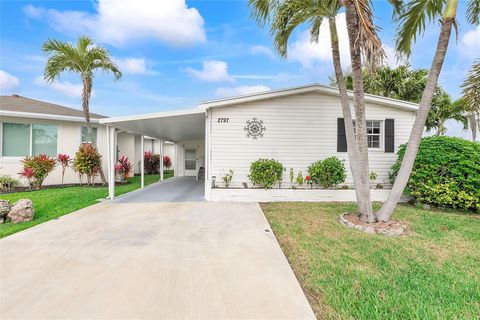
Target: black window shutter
<point>341,136</point>
<point>389,135</point>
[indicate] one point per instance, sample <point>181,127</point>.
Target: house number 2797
<point>222,120</point>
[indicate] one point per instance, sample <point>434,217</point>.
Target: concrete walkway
<point>176,189</point>
<point>197,260</point>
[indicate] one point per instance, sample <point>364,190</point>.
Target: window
<point>44,140</point>
<point>373,133</point>
<point>16,140</point>
<point>20,140</point>
<point>86,136</point>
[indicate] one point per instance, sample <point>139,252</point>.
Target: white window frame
<point>30,149</point>
<point>381,147</point>
<point>81,132</point>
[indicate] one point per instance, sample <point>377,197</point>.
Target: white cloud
<point>309,54</point>
<point>65,87</point>
<point>133,66</point>
<point>259,49</point>
<point>212,71</point>
<point>471,41</point>
<point>240,90</point>
<point>8,81</point>
<point>393,59</point>
<point>118,22</point>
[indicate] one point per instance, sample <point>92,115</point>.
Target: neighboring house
<point>296,126</point>
<point>29,127</point>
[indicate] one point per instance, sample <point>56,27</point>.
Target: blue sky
<point>174,53</point>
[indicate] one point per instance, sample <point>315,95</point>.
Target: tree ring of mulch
<point>391,228</point>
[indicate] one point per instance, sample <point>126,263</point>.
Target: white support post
<point>175,167</point>
<point>161,160</point>
<point>142,162</point>
<point>111,167</point>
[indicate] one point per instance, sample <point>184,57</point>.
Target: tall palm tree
<point>471,97</point>
<point>83,59</point>
<point>287,15</point>
<point>412,20</point>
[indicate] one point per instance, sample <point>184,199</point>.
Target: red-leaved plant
<point>167,162</point>
<point>64,160</point>
<point>28,174</point>
<point>42,165</point>
<point>123,168</point>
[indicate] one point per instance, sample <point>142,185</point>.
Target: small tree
<point>64,160</point>
<point>41,165</point>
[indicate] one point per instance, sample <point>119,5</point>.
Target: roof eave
<point>305,89</point>
<point>45,116</point>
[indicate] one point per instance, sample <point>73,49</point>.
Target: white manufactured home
<point>296,126</point>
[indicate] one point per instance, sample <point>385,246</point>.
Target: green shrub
<point>300,178</point>
<point>7,182</point>
<point>327,173</point>
<point>227,178</point>
<point>446,173</point>
<point>266,172</point>
<point>40,167</point>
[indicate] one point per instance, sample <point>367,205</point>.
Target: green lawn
<point>52,203</point>
<point>346,274</point>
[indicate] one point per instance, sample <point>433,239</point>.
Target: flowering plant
<point>167,162</point>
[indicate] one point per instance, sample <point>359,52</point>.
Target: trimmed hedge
<point>266,172</point>
<point>446,173</point>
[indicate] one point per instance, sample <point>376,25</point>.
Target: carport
<point>174,126</point>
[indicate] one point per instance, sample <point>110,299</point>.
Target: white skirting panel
<point>303,195</point>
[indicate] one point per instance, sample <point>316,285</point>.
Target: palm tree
<point>408,84</point>
<point>443,109</point>
<point>287,15</point>
<point>471,97</point>
<point>412,19</point>
<point>83,59</point>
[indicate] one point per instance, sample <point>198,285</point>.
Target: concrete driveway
<point>198,260</point>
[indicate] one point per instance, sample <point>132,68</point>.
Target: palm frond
<point>412,22</point>
<point>473,12</point>
<point>261,10</point>
<point>471,88</point>
<point>370,43</point>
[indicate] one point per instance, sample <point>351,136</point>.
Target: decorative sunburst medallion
<point>254,128</point>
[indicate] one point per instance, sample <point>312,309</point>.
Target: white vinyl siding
<point>299,130</point>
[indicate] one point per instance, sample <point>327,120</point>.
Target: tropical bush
<point>7,182</point>
<point>37,168</point>
<point>87,162</point>
<point>328,172</point>
<point>265,172</point>
<point>64,160</point>
<point>446,173</point>
<point>167,162</point>
<point>123,168</point>
<point>300,178</point>
<point>151,162</point>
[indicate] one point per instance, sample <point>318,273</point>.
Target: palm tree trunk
<point>403,175</point>
<point>87,90</point>
<point>473,126</point>
<point>347,113</point>
<point>362,186</point>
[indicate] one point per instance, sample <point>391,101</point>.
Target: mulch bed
<point>390,228</point>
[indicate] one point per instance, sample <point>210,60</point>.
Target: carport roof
<point>175,126</point>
